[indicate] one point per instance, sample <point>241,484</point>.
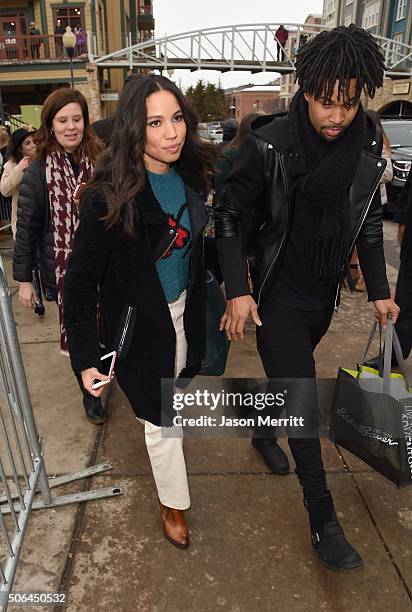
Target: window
<point>348,2</point>
<point>329,11</point>
<point>69,16</point>
<point>401,10</point>
<point>348,20</point>
<point>396,47</point>
<point>371,15</point>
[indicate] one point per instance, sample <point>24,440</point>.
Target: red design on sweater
<point>182,236</point>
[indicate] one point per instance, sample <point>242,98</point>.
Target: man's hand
<point>401,231</point>
<point>385,308</point>
<point>236,313</point>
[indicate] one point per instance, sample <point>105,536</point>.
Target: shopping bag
<point>371,414</point>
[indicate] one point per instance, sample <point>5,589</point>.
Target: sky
<point>176,16</point>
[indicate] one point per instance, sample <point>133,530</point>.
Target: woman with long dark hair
<point>47,210</point>
<point>139,247</point>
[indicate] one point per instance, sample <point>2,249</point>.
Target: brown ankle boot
<point>174,526</point>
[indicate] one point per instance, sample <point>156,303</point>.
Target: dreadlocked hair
<point>341,54</point>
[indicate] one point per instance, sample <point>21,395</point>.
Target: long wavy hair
<point>90,146</point>
<point>120,174</point>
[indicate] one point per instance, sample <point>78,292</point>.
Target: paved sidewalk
<point>250,542</point>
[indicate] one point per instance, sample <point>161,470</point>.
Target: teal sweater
<point>173,267</point>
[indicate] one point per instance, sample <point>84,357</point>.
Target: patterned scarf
<point>61,183</point>
<point>323,174</point>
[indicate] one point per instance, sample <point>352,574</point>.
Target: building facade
<point>288,86</point>
<point>253,98</point>
<point>33,61</point>
<point>388,18</point>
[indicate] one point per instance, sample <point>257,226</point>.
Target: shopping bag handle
<point>391,341</point>
<point>369,342</point>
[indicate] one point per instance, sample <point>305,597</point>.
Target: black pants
<point>286,342</point>
<point>403,298</point>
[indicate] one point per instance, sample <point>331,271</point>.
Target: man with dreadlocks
<point>309,178</point>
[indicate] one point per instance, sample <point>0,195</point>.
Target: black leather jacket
<point>252,220</point>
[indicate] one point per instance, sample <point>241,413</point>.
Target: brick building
<point>244,100</point>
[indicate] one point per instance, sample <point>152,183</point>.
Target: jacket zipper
<point>358,229</point>
<point>125,328</point>
<point>275,255</point>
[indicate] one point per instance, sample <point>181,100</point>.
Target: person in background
<point>5,203</point>
<point>47,214</point>
<point>229,129</point>
<point>140,240</point>
<point>4,140</point>
<point>302,41</point>
<point>80,41</point>
<point>230,152</point>
<point>35,40</point>
<point>281,36</point>
<point>22,151</point>
<point>403,292</point>
<point>58,38</point>
<point>356,277</point>
<point>103,128</point>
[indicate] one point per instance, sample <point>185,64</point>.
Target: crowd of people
<point>116,227</point>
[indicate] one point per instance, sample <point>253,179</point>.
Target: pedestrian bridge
<point>250,47</point>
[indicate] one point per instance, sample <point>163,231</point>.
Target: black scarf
<point>323,173</point>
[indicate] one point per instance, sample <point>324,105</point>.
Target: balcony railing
<point>29,48</point>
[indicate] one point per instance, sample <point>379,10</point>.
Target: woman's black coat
<point>34,231</point>
<point>125,272</point>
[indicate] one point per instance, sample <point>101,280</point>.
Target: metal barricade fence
<point>22,468</point>
<point>5,213</point>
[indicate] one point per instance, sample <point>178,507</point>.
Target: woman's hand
<point>27,295</point>
<point>24,163</point>
<point>89,376</point>
<point>401,232</point>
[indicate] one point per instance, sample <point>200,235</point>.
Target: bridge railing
<point>245,46</point>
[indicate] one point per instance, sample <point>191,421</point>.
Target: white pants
<point>166,453</point>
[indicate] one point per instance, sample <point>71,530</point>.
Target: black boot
<point>328,539</point>
<point>272,454</point>
<point>95,412</point>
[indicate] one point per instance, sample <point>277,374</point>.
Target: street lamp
<point>69,43</point>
